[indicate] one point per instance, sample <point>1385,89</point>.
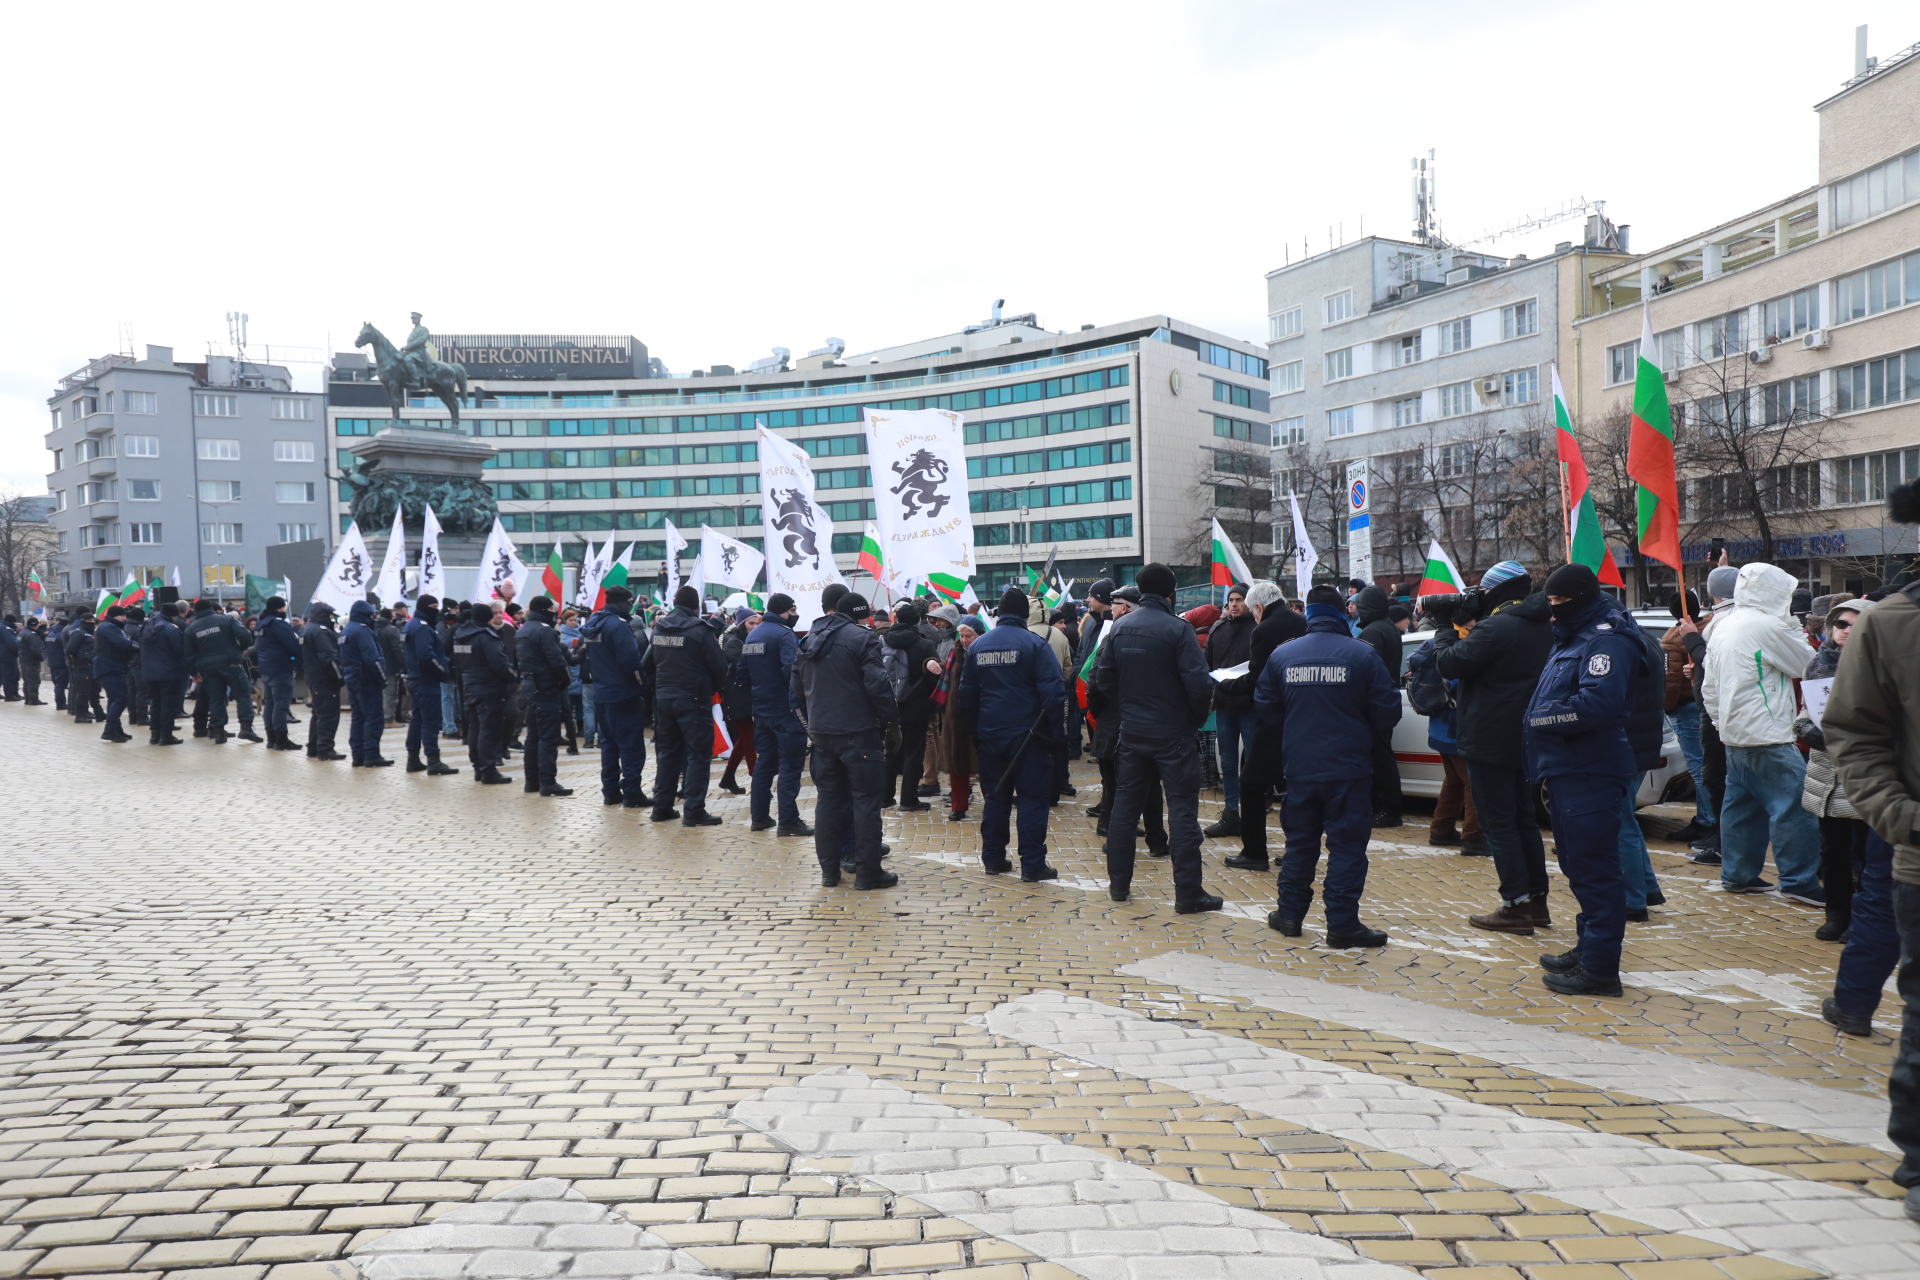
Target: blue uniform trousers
<point>1140,765</point>
<point>1873,939</point>
<point>1587,811</point>
<point>683,746</point>
<point>1342,812</point>
<point>1636,868</point>
<point>369,718</point>
<point>850,771</point>
<point>115,685</point>
<point>60,690</point>
<point>279,698</point>
<point>546,714</point>
<point>1002,778</point>
<point>222,683</point>
<point>423,727</point>
<point>623,749</point>
<point>780,749</point>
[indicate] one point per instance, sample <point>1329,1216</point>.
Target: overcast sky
<point>720,179</point>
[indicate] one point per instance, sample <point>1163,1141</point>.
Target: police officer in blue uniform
<point>363,664</point>
<point>688,669</point>
<point>779,739</point>
<point>617,663</point>
<point>113,651</point>
<point>276,650</point>
<point>1576,742</point>
<point>163,666</point>
<point>427,672</point>
<point>1013,700</point>
<point>1330,699</point>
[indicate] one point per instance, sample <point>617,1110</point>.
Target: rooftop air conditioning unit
<point>1672,375</point>
<point>1489,389</point>
<point>1759,355</point>
<point>1816,340</point>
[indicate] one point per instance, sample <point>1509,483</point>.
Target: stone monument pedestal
<point>412,469</point>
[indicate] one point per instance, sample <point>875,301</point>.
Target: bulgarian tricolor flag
<point>615,576</point>
<point>722,740</point>
<point>1085,675</point>
<point>131,594</point>
<point>1586,544</point>
<point>1442,576</point>
<point>106,600</point>
<point>553,577</point>
<point>1650,455</point>
<point>35,587</point>
<point>871,560</point>
<point>947,586</point>
<point>1229,566</point>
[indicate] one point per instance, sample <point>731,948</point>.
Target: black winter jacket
<point>480,659</point>
<point>916,648</point>
<point>543,658</point>
<point>687,663</point>
<point>1498,665</point>
<point>1229,644</point>
<point>839,680</point>
<point>215,641</point>
<point>163,651</point>
<point>320,657</point>
<point>1377,629</point>
<point>1150,670</point>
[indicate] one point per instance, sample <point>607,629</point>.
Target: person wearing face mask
<point>779,739</point>
<point>1575,735</point>
<point>688,670</point>
<point>363,663</point>
<point>426,666</point>
<point>616,658</point>
<point>320,662</point>
<point>543,687</point>
<point>486,674</point>
<point>277,650</point>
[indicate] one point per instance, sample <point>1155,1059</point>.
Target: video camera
<point>1450,609</point>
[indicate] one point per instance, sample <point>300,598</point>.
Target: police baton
<point>1007,774</point>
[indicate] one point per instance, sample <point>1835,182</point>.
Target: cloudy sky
<point>719,179</point>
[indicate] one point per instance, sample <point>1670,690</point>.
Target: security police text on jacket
<point>420,647</point>
<point>766,665</point>
<point>542,658</point>
<point>362,660</point>
<point>616,654</point>
<point>1154,639</point>
<point>276,649</point>
<point>1314,690</point>
<point>687,663</point>
<point>1010,684</point>
<point>113,650</point>
<point>163,650</point>
<point>481,660</point>
<point>215,640</point>
<point>1576,722</point>
<point>840,680</point>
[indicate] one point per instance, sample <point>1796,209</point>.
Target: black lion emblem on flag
<point>790,515</point>
<point>921,477</point>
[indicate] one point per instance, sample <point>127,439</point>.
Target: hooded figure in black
<point>1378,632</point>
<point>840,690</point>
<point>33,651</point>
<point>320,662</point>
<point>907,651</point>
<point>544,677</point>
<point>688,671</point>
<point>78,646</point>
<point>216,652</point>
<point>424,659</point>
<point>163,664</point>
<point>486,676</point>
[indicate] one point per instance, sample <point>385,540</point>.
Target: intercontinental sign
<point>544,355</point>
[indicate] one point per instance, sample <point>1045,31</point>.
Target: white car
<point>1420,773</point>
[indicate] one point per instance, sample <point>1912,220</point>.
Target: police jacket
<point>215,641</point>
<point>33,646</point>
<point>163,650</point>
<point>543,659</point>
<point>113,649</point>
<point>1330,696</point>
<point>1577,719</point>
<point>56,650</point>
<point>275,646</point>
<point>320,656</point>
<point>735,702</point>
<point>906,651</point>
<point>766,663</point>
<point>1011,683</point>
<point>1229,644</point>
<point>616,657</point>
<point>1498,664</point>
<point>1151,670</point>
<point>362,661</point>
<point>481,659</point>
<point>78,644</point>
<point>9,645</point>
<point>420,648</point>
<point>839,680</point>
<point>687,663</point>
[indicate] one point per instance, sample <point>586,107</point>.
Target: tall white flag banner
<point>798,535</point>
<point>590,572</point>
<point>919,462</point>
<point>433,574</point>
<point>676,547</point>
<point>174,581</point>
<point>345,580</point>
<point>499,563</point>
<point>1304,556</point>
<point>728,561</point>
<point>391,585</point>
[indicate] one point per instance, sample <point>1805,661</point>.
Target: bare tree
<point>1319,480</point>
<point>26,545</point>
<point>1534,530</point>
<point>1235,487</point>
<point>1749,450</point>
<point>1616,495</point>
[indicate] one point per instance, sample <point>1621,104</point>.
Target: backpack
<point>900,673</point>
<point>1427,692</point>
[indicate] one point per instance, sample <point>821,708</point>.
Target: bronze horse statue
<point>448,381</point>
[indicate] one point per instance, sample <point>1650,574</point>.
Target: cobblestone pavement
<point>266,1019</point>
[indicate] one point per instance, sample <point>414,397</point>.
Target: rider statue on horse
<point>413,366</point>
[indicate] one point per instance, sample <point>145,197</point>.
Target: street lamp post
<point>1024,491</point>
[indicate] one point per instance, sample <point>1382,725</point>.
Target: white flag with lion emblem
<point>348,573</point>
<point>728,561</point>
<point>499,564</point>
<point>797,533</point>
<point>919,461</point>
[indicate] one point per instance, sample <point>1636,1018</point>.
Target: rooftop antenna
<point>1861,62</point>
<point>237,335</point>
<point>1426,216</point>
<point>126,338</point>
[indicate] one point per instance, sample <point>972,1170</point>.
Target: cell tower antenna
<point>1426,214</point>
<point>126,338</point>
<point>237,335</point>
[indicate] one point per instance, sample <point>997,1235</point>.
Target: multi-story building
<point>159,465</point>
<point>1789,338</point>
<point>1095,444</point>
<point>1433,365</point>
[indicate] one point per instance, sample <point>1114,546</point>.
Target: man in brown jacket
<point>1872,727</point>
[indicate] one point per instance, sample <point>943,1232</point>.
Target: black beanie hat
<point>907,613</point>
<point>1579,585</point>
<point>481,613</point>
<point>1101,591</point>
<point>686,598</point>
<point>851,603</point>
<point>618,595</point>
<point>1156,580</point>
<point>779,603</point>
<point>830,595</point>
<point>1013,603</point>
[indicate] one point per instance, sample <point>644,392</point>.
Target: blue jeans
<point>1636,868</point>
<point>1873,939</point>
<point>1686,727</point>
<point>779,750</point>
<point>1231,728</point>
<point>279,698</point>
<point>1586,840</point>
<point>449,710</point>
<point>1763,800</point>
<point>1001,779</point>
<point>1343,811</point>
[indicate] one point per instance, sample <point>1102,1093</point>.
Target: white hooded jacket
<point>1754,654</point>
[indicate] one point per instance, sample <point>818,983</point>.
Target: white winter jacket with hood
<point>1755,652</point>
